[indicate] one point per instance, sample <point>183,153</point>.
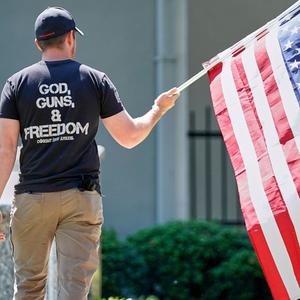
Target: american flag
<point>256,98</point>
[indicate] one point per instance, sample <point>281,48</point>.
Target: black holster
<point>88,183</point>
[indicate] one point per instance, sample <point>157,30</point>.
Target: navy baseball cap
<point>53,22</point>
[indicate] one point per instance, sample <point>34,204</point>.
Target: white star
<point>295,65</point>
<point>295,30</point>
<point>284,29</point>
<point>288,45</point>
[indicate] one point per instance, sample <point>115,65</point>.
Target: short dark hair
<point>56,42</point>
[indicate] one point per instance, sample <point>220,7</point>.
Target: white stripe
<point>289,99</point>
<point>291,108</point>
<point>256,189</point>
<point>279,164</point>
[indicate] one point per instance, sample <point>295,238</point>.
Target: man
<point>55,105</point>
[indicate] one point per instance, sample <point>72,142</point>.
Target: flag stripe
<point>279,116</point>
<point>290,147</point>
<point>260,245</point>
<point>290,104</point>
<point>256,189</point>
<point>281,122</point>
<point>279,165</point>
<point>255,131</point>
<point>268,177</point>
<point>255,232</point>
<point>289,99</point>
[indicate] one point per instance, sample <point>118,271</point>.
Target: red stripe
<point>267,263</point>
<point>269,181</point>
<point>254,229</point>
<point>283,129</point>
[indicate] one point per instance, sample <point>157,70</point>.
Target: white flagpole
<point>192,80</point>
<point>209,65</point>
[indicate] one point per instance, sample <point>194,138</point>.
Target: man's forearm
<point>144,124</point>
<point>7,160</point>
<point>128,131</point>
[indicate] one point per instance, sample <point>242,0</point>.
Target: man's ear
<point>37,45</point>
<point>70,36</point>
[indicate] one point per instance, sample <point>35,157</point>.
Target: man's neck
<point>53,54</point>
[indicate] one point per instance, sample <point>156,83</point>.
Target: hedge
<point>183,260</point>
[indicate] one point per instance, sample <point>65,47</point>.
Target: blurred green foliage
<point>117,298</point>
<point>183,261</point>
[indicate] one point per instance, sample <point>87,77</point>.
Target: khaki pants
<point>74,218</point>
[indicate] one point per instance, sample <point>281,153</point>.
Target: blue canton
<point>289,40</point>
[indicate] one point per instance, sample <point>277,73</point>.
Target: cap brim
<point>79,31</point>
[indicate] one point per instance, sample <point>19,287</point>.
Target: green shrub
<point>238,277</point>
<point>183,260</point>
<point>113,255</point>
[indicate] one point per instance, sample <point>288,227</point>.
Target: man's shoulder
<point>24,72</point>
<point>92,71</point>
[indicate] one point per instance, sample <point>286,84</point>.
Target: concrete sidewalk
<point>6,262</point>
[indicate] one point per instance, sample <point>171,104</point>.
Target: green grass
<point>96,291</point>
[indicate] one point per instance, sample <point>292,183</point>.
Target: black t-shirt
<point>58,105</point>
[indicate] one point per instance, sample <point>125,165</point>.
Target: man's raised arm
<point>128,131</point>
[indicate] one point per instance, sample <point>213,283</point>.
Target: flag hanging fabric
<point>256,98</point>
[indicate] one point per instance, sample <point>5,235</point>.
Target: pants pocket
<point>90,205</point>
<point>26,213</point>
